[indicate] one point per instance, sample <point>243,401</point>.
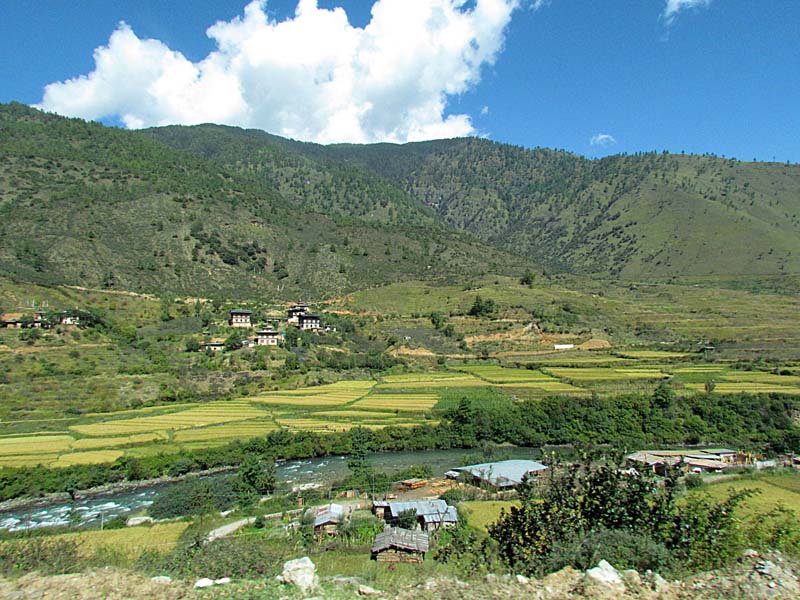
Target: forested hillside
<point>643,216</point>
<point>96,206</point>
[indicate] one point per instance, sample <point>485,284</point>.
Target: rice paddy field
<point>773,490</point>
<point>400,399</point>
<point>128,541</point>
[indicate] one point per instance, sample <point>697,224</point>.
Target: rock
<point>300,572</point>
<point>750,553</point>
<point>342,580</point>
<point>204,582</point>
<point>659,583</point>
<point>134,521</point>
<point>222,580</point>
<point>632,577</point>
<point>365,590</point>
<point>605,574</point>
<point>161,579</point>
<point>523,580</point>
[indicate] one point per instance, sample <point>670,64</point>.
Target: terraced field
<point>334,394</point>
<point>208,414</point>
<point>399,402</point>
<point>607,374</point>
<point>439,379</point>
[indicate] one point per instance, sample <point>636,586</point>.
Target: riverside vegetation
<point>495,255</point>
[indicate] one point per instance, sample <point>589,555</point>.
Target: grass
<point>481,513</point>
<point>110,442</point>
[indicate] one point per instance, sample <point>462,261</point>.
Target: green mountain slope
<point>649,215</point>
<point>89,205</point>
<point>637,217</point>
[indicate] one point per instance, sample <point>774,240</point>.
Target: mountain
<point>102,207</point>
<point>635,217</point>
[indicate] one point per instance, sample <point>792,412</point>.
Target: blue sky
<point>720,77</point>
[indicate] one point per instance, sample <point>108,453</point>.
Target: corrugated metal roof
<point>423,507</point>
<point>404,539</point>
<point>505,473</point>
<point>330,513</point>
<point>449,516</point>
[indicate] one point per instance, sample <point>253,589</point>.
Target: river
<point>291,474</point>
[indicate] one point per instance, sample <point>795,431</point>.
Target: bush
<point>693,481</point>
<point>623,548</point>
<point>47,556</point>
<point>194,497</point>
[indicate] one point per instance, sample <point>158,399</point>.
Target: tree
<point>258,474</point>
<point>482,308</point>
<point>192,345</point>
<point>407,519</point>
<point>709,386</point>
<point>663,395</point>
<point>234,341</point>
<point>527,278</point>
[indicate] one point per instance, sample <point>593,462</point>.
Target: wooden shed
<point>395,545</point>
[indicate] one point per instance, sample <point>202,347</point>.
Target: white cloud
<point>485,110</point>
<point>602,139</point>
<point>312,76</point>
<point>674,7</point>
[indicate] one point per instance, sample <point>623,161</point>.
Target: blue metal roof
<point>504,473</point>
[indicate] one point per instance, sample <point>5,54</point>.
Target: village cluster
<point>298,315</point>
<point>41,319</point>
<point>409,525</point>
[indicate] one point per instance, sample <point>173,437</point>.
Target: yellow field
<point>207,414</point>
<point>111,442</point>
<point>130,541</point>
<point>404,402</point>
<point>35,444</point>
<point>599,374</point>
<point>761,377</point>
<point>369,414</point>
<point>318,425</point>
<point>27,460</point>
<point>497,374</point>
<point>553,386</point>
<point>722,387</point>
<point>480,513</point>
<point>653,354</point>
<point>87,458</point>
<point>246,430</point>
<point>334,394</point>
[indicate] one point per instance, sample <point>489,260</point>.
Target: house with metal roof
<point>327,518</point>
<point>431,514</point>
<point>503,474</point>
<point>394,544</point>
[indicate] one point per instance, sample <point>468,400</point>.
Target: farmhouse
<point>11,321</point>
<point>696,461</point>
<point>240,318</point>
<point>213,346</point>
<point>504,474</point>
<point>308,322</point>
<point>400,545</point>
<point>327,518</point>
<point>294,312</point>
<point>267,337</point>
<point>431,514</point>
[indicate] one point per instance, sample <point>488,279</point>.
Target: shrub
<point>47,556</point>
<point>194,497</point>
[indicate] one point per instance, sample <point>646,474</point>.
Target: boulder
<point>605,574</point>
<point>365,590</point>
<point>301,572</point>
<point>134,521</point>
<point>161,579</point>
<point>204,583</point>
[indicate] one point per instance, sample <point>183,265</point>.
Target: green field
<point>481,513</point>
